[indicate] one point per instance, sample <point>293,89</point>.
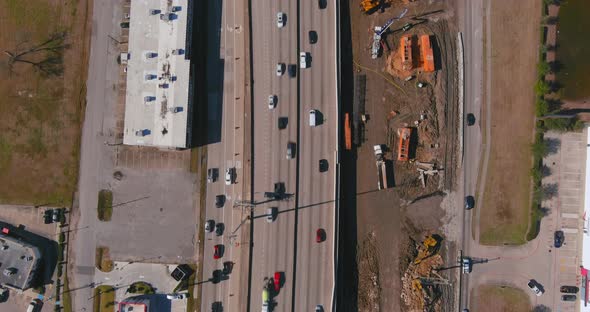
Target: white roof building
<point>157,111</point>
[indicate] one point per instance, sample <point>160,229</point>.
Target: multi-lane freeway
<point>288,242</point>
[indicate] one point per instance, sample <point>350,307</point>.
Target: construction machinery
<point>370,6</point>
<point>429,247</point>
<point>380,30</point>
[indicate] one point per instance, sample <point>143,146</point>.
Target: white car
<point>272,101</point>
<point>534,286</point>
<point>466,265</point>
<point>271,214</point>
<point>230,176</point>
<point>303,59</point>
<point>177,296</point>
<point>280,20</point>
<point>280,69</point>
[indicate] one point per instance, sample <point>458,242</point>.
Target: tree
<point>46,57</point>
<point>540,148</point>
<point>541,107</point>
<point>543,68</point>
<point>542,87</point>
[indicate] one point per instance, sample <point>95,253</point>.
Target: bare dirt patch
<point>491,298</point>
<point>42,95</point>
<point>504,216</point>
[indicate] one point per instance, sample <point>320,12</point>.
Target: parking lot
<point>154,217</point>
<point>565,169</point>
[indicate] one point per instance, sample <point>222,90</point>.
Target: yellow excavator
<point>369,6</point>
<point>430,246</point>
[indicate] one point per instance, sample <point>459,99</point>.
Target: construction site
<point>401,129</point>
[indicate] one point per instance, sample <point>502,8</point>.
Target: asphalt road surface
<point>226,89</point>
<point>288,244</point>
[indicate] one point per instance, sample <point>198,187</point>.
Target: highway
<point>226,91</point>
<point>288,244</point>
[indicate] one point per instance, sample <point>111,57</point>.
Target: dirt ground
<point>514,54</point>
<point>492,298</point>
<point>386,216</point>
<point>41,104</point>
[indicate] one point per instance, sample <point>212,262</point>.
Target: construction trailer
<point>403,147</point>
<point>427,56</point>
<point>406,52</point>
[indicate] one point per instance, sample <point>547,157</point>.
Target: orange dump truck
<point>426,53</point>
<point>403,147</point>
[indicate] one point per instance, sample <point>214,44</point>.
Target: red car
<point>277,281</point>
<point>320,235</point>
<point>218,251</point>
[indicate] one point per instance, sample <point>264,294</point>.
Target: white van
<point>313,117</point>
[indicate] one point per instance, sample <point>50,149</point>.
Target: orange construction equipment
<point>347,133</point>
<point>406,52</point>
<point>426,53</point>
<point>368,6</point>
<point>403,148</point>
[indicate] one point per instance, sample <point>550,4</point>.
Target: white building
<point>158,103</point>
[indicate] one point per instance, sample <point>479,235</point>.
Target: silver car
<point>280,69</point>
<point>280,20</point>
<point>209,225</point>
<point>272,101</point>
<point>271,214</point>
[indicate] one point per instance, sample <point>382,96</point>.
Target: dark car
<point>216,277</point>
<point>324,165</point>
<point>322,4</point>
<point>470,119</point>
<point>219,201</point>
<point>469,202</point>
<point>558,238</point>
<point>219,227</point>
<point>48,216</point>
<point>124,25</point>
<point>320,235</point>
<point>568,297</point>
<point>218,251</point>
<point>3,294</point>
<point>227,267</point>
<point>292,69</point>
<point>569,289</point>
<point>283,121</point>
<point>217,306</point>
<point>313,37</point>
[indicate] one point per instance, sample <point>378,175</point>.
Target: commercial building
<point>19,262</point>
<point>159,96</point>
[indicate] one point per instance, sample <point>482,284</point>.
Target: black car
<point>292,69</point>
<point>227,267</point>
<point>322,4</point>
<point>558,238</point>
<point>324,166</point>
<point>219,201</point>
<point>568,297</point>
<point>469,202</point>
<point>48,216</point>
<point>313,37</point>
<point>124,25</point>
<point>219,228</point>
<point>569,289</point>
<point>470,119</point>
<point>283,121</point>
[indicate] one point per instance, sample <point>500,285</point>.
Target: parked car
<point>320,235</point>
<point>568,297</point>
<point>209,225</point>
<point>322,4</point>
<point>470,119</point>
<point>466,265</point>
<point>469,202</point>
<point>48,216</point>
<point>280,69</point>
<point>272,101</point>
<point>280,20</point>
<point>177,296</point>
<point>313,37</point>
<point>219,201</point>
<point>217,251</point>
<point>558,238</point>
<point>3,294</point>
<point>271,214</point>
<point>227,267</point>
<point>56,217</point>
<point>219,227</point>
<point>35,305</point>
<point>319,308</point>
<point>569,289</point>
<point>536,287</point>
<point>124,24</point>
